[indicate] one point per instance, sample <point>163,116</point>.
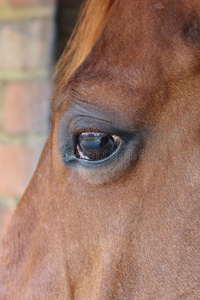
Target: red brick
<point>26,44</point>
<point>24,3</point>
<point>1,113</point>
<point>0,92</point>
<point>1,2</point>
<point>17,165</point>
<point>27,107</point>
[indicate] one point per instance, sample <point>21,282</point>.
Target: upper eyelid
<point>91,124</point>
<point>91,114</point>
<point>84,120</point>
<point>78,130</point>
<point>77,119</point>
<point>87,123</point>
<point>87,120</point>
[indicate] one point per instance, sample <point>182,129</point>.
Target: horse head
<point>112,209</point>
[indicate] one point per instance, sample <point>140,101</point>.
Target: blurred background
<point>33,34</point>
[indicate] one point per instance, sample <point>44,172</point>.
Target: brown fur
<point>128,229</point>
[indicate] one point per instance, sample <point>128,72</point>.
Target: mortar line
<point>10,14</point>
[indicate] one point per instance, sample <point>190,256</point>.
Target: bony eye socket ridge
<point>95,146</point>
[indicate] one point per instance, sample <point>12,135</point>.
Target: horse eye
<point>96,145</point>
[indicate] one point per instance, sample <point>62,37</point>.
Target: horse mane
<point>90,22</point>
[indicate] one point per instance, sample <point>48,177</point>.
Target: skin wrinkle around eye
<point>89,99</point>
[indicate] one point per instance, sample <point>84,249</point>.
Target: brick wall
<point>26,44</point>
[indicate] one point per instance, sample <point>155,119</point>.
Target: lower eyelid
<point>109,169</point>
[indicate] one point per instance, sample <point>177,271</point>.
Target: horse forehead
<point>138,39</point>
<point>134,59</point>
<point>154,22</point>
<point>139,29</point>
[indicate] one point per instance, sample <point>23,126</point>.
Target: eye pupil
<point>95,145</point>
<point>104,141</point>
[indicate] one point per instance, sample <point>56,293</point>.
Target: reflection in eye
<point>96,145</point>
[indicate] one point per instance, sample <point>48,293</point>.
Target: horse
<point>112,211</point>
